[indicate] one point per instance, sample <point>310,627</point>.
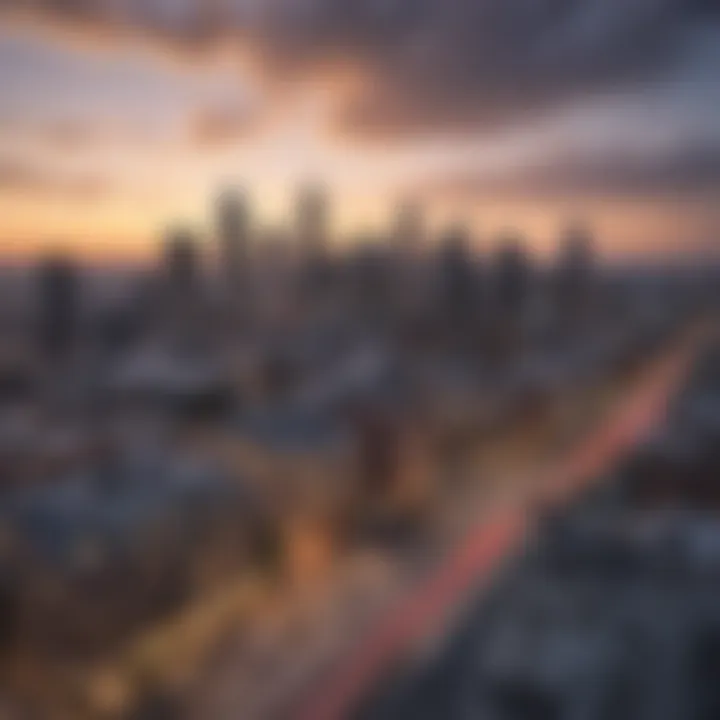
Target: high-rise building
<point>574,271</point>
<point>512,275</point>
<point>458,276</point>
<point>181,263</point>
<point>312,221</point>
<point>369,275</point>
<point>233,232</point>
<point>58,306</point>
<point>408,229</point>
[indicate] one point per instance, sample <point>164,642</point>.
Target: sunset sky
<point>120,116</point>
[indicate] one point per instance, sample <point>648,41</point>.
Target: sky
<point>121,117</point>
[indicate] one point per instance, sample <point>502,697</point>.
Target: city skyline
<point>116,121</point>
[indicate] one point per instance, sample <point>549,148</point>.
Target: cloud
<point>19,177</point>
<point>425,64</point>
<point>214,127</point>
<point>63,135</point>
<point>682,173</point>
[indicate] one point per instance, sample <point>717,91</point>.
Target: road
<point>422,613</point>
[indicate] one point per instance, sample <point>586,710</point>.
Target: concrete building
<point>234,237</point>
<point>118,543</point>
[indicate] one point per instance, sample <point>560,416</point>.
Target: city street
<point>316,659</point>
<point>424,612</point>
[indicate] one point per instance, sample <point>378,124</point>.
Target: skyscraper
<point>233,233</point>
<point>574,271</point>
<point>408,230</point>
<point>512,275</point>
<point>458,276</point>
<point>312,221</point>
<point>181,263</point>
<point>369,276</point>
<point>58,306</point>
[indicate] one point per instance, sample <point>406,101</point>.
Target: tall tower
<point>458,274</point>
<point>312,222</point>
<point>181,263</point>
<point>233,232</point>
<point>574,275</point>
<point>58,306</point>
<point>512,274</point>
<point>408,230</point>
<point>575,265</point>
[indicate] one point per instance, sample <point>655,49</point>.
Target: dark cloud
<point>24,178</point>
<point>692,172</point>
<point>429,64</point>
